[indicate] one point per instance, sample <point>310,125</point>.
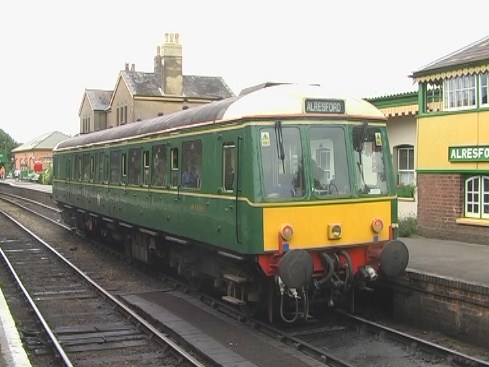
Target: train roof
<point>280,101</point>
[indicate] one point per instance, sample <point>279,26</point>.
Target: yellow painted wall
<point>436,133</point>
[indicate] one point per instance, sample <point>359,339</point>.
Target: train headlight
<point>377,225</point>
<point>334,231</point>
<point>286,231</point>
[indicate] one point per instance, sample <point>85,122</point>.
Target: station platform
<point>460,261</point>
<point>28,185</point>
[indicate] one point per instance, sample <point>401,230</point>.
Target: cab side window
<point>228,166</point>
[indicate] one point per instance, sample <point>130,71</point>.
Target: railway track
<point>342,341</point>
<point>82,323</point>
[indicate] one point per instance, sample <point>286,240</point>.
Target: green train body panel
<point>209,214</point>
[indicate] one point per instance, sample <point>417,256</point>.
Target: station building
<point>142,95</point>
<point>40,149</point>
<point>452,142</point>
<point>401,111</point>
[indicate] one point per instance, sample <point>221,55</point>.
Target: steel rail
<point>122,307</point>
<point>450,353</point>
<point>58,348</point>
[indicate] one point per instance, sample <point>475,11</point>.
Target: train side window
<point>78,167</point>
<point>55,167</point>
<point>86,167</point>
<point>191,163</point>
<point>134,167</point>
<point>174,167</point>
<point>99,167</point>
<point>158,172</point>
<point>228,166</point>
<point>146,177</point>
<point>92,167</point>
<point>105,168</point>
<point>115,166</point>
<point>69,168</point>
<point>124,165</point>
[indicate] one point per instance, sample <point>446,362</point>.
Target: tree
<point>6,146</point>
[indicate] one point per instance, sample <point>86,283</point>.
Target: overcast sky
<point>52,50</point>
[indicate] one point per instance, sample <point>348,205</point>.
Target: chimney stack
<point>168,63</point>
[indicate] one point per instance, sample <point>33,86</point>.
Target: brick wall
<point>440,203</point>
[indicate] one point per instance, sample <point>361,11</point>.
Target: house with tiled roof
<point>39,149</point>
<point>95,106</point>
<point>141,95</point>
<point>453,145</point>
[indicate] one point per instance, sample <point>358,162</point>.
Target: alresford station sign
<point>475,153</point>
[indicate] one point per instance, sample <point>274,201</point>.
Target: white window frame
<point>484,89</point>
<point>459,93</point>
<point>409,172</point>
<point>476,197</point>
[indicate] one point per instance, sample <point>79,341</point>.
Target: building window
<point>459,92</point>
<point>484,81</point>
<point>405,165</point>
<point>477,197</point>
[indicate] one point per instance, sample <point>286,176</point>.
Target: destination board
<point>336,106</point>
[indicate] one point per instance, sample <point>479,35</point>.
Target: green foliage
<point>407,225</point>
<point>6,146</point>
<point>46,177</point>
<point>405,191</point>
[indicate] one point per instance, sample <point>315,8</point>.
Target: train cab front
<point>328,275</point>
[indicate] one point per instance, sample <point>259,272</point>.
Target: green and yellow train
<point>278,199</point>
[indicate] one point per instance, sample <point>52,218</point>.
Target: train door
<point>228,205</point>
<point>135,199</point>
<point>160,201</point>
<point>77,176</point>
<point>167,204</point>
<point>99,177</point>
<point>191,204</point>
<point>115,174</point>
<point>85,181</point>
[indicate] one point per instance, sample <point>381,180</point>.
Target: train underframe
<point>280,285</point>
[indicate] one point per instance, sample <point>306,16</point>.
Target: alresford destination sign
<point>475,153</point>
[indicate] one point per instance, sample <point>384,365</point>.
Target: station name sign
<point>475,153</point>
<point>325,106</point>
